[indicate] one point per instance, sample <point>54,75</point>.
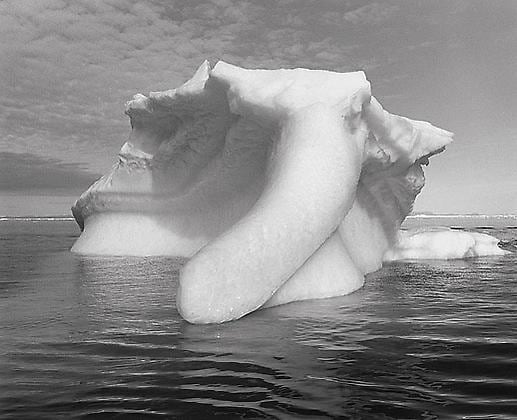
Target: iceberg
<point>278,185</point>
<point>442,244</point>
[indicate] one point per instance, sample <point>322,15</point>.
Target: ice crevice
<point>279,185</point>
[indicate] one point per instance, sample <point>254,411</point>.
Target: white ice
<point>280,185</point>
<point>442,244</point>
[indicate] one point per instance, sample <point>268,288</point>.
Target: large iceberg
<point>281,185</point>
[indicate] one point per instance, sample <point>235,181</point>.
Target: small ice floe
<point>443,244</point>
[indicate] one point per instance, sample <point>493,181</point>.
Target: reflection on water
<point>101,338</point>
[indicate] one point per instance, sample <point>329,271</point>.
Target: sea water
<point>97,337</point>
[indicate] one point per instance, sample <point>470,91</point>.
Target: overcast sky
<point>68,67</point>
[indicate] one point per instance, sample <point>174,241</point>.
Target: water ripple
<point>100,338</point>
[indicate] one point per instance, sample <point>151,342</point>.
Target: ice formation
<point>281,185</point>
<point>442,244</point>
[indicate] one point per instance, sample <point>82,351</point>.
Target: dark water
<point>100,338</point>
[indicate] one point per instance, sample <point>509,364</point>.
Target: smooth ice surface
<point>282,185</point>
<point>442,244</point>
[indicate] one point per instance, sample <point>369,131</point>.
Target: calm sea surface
<point>84,337</point>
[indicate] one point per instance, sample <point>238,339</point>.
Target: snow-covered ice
<point>442,244</point>
<point>280,185</point>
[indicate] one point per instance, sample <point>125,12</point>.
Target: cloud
<point>67,67</point>
<point>371,14</point>
<point>27,172</point>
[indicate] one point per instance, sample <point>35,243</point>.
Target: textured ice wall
<point>281,185</point>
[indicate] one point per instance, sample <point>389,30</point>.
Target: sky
<point>68,67</point>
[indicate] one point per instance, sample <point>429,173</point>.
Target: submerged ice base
<point>281,185</point>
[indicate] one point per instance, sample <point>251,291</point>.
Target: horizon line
<point>413,216</point>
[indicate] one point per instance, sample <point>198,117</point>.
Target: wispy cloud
<point>371,14</point>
